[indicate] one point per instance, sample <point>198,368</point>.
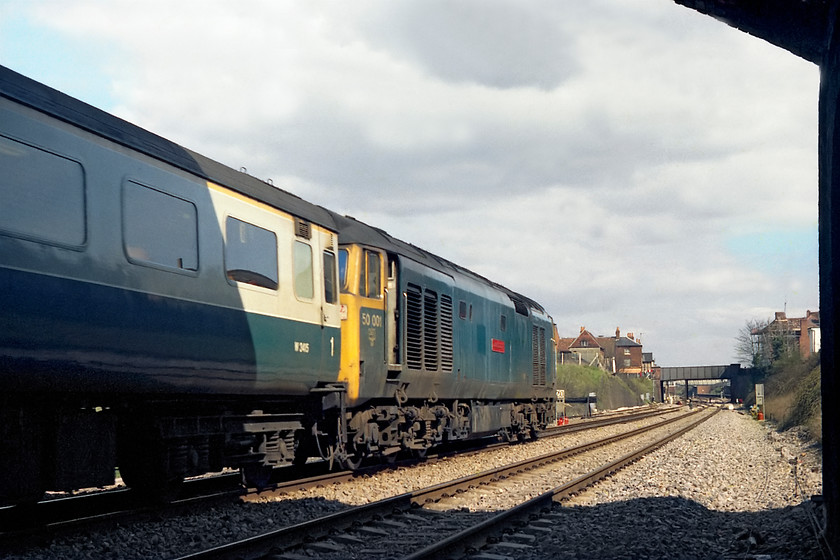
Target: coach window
<point>250,254</point>
<point>159,229</point>
<point>330,289</point>
<point>42,195</point>
<point>503,323</point>
<point>304,286</point>
<point>372,283</point>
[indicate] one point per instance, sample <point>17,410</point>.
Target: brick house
<point>791,333</point>
<point>619,354</point>
<point>583,349</point>
<point>628,354</point>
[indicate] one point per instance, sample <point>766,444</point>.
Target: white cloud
<point>597,156</point>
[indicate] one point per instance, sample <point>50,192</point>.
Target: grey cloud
<point>494,43</point>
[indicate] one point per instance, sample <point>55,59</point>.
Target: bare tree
<point>760,343</point>
<point>752,344</point>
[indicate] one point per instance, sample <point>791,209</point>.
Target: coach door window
<point>372,282</point>
<point>42,195</point>
<point>159,229</point>
<point>250,254</point>
<point>304,286</point>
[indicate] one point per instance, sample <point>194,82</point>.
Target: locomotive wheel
<point>352,459</point>
<point>389,459</point>
<point>352,462</point>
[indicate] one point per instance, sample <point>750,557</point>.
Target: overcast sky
<point>627,163</point>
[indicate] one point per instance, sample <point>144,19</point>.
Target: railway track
<point>74,513</point>
<point>434,522</point>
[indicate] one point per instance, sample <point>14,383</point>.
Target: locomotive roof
<point>351,230</point>
<point>47,100</point>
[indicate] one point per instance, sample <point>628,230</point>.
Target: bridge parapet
<point>688,373</point>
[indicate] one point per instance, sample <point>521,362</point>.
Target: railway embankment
<point>612,391</point>
<point>792,396</point>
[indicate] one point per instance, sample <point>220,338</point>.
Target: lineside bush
<point>792,395</point>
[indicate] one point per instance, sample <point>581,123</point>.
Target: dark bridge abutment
<point>829,223</point>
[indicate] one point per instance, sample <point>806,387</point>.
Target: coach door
<point>393,355</point>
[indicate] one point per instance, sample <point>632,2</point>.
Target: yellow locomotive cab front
<point>361,272</point>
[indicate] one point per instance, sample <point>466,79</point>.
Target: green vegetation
<point>613,391</point>
<point>792,394</point>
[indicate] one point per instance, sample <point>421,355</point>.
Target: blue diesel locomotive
<point>169,316</point>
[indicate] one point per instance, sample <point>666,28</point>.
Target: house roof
<point>563,344</point>
<point>585,340</point>
<point>783,322</point>
<point>624,341</point>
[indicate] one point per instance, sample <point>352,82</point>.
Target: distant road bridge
<point>690,373</point>
<point>739,377</point>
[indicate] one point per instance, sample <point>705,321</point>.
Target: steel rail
<point>475,536</point>
<point>289,537</point>
<point>447,489</point>
<point>605,421</point>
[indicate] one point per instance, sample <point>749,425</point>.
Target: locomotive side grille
<point>303,228</point>
<point>414,327</point>
<point>539,359</point>
<point>430,330</point>
<point>446,343</point>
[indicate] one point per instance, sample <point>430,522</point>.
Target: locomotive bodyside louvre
<point>426,333</point>
<point>481,347</point>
